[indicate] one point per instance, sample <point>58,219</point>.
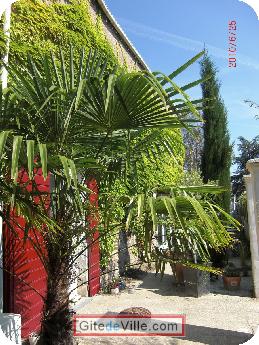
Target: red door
<point>25,278</point>
<point>93,244</point>
<point>24,273</point>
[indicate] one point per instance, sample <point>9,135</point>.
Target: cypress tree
<point>217,151</point>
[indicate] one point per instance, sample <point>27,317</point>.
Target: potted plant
<point>231,277</point>
<point>114,286</point>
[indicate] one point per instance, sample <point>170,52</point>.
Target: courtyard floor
<point>221,317</point>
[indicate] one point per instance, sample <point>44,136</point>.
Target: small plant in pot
<point>231,277</point>
<point>114,286</point>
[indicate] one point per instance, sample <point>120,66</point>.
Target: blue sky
<point>169,32</point>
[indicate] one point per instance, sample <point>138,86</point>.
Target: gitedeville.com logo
<point>129,325</point>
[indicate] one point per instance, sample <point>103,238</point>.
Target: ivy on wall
<point>167,170</point>
<point>38,27</point>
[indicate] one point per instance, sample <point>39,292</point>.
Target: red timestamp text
<point>232,43</point>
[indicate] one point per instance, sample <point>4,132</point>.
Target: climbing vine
<point>167,170</point>
<point>38,27</point>
<point>112,215</point>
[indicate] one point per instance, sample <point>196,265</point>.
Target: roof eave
<point>122,34</point>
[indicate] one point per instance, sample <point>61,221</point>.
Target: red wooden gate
<point>93,245</point>
<point>24,274</point>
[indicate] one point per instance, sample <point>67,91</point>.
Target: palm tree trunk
<point>57,320</point>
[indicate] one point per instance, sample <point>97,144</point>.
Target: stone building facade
<point>123,48</point>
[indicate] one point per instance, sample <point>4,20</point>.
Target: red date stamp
<point>232,43</point>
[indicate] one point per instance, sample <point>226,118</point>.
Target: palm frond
<point>195,226</point>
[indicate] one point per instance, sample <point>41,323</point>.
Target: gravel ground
<point>221,317</point>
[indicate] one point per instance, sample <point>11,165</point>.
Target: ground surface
<point>218,318</point>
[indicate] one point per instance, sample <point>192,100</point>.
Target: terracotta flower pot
<point>231,283</point>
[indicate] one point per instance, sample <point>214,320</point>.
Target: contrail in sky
<point>183,42</point>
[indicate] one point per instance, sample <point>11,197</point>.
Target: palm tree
<point>69,118</point>
<point>85,119</point>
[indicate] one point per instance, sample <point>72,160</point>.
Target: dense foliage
<point>166,168</point>
<point>54,24</point>
<point>216,156</point>
<point>38,27</point>
<point>159,167</point>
